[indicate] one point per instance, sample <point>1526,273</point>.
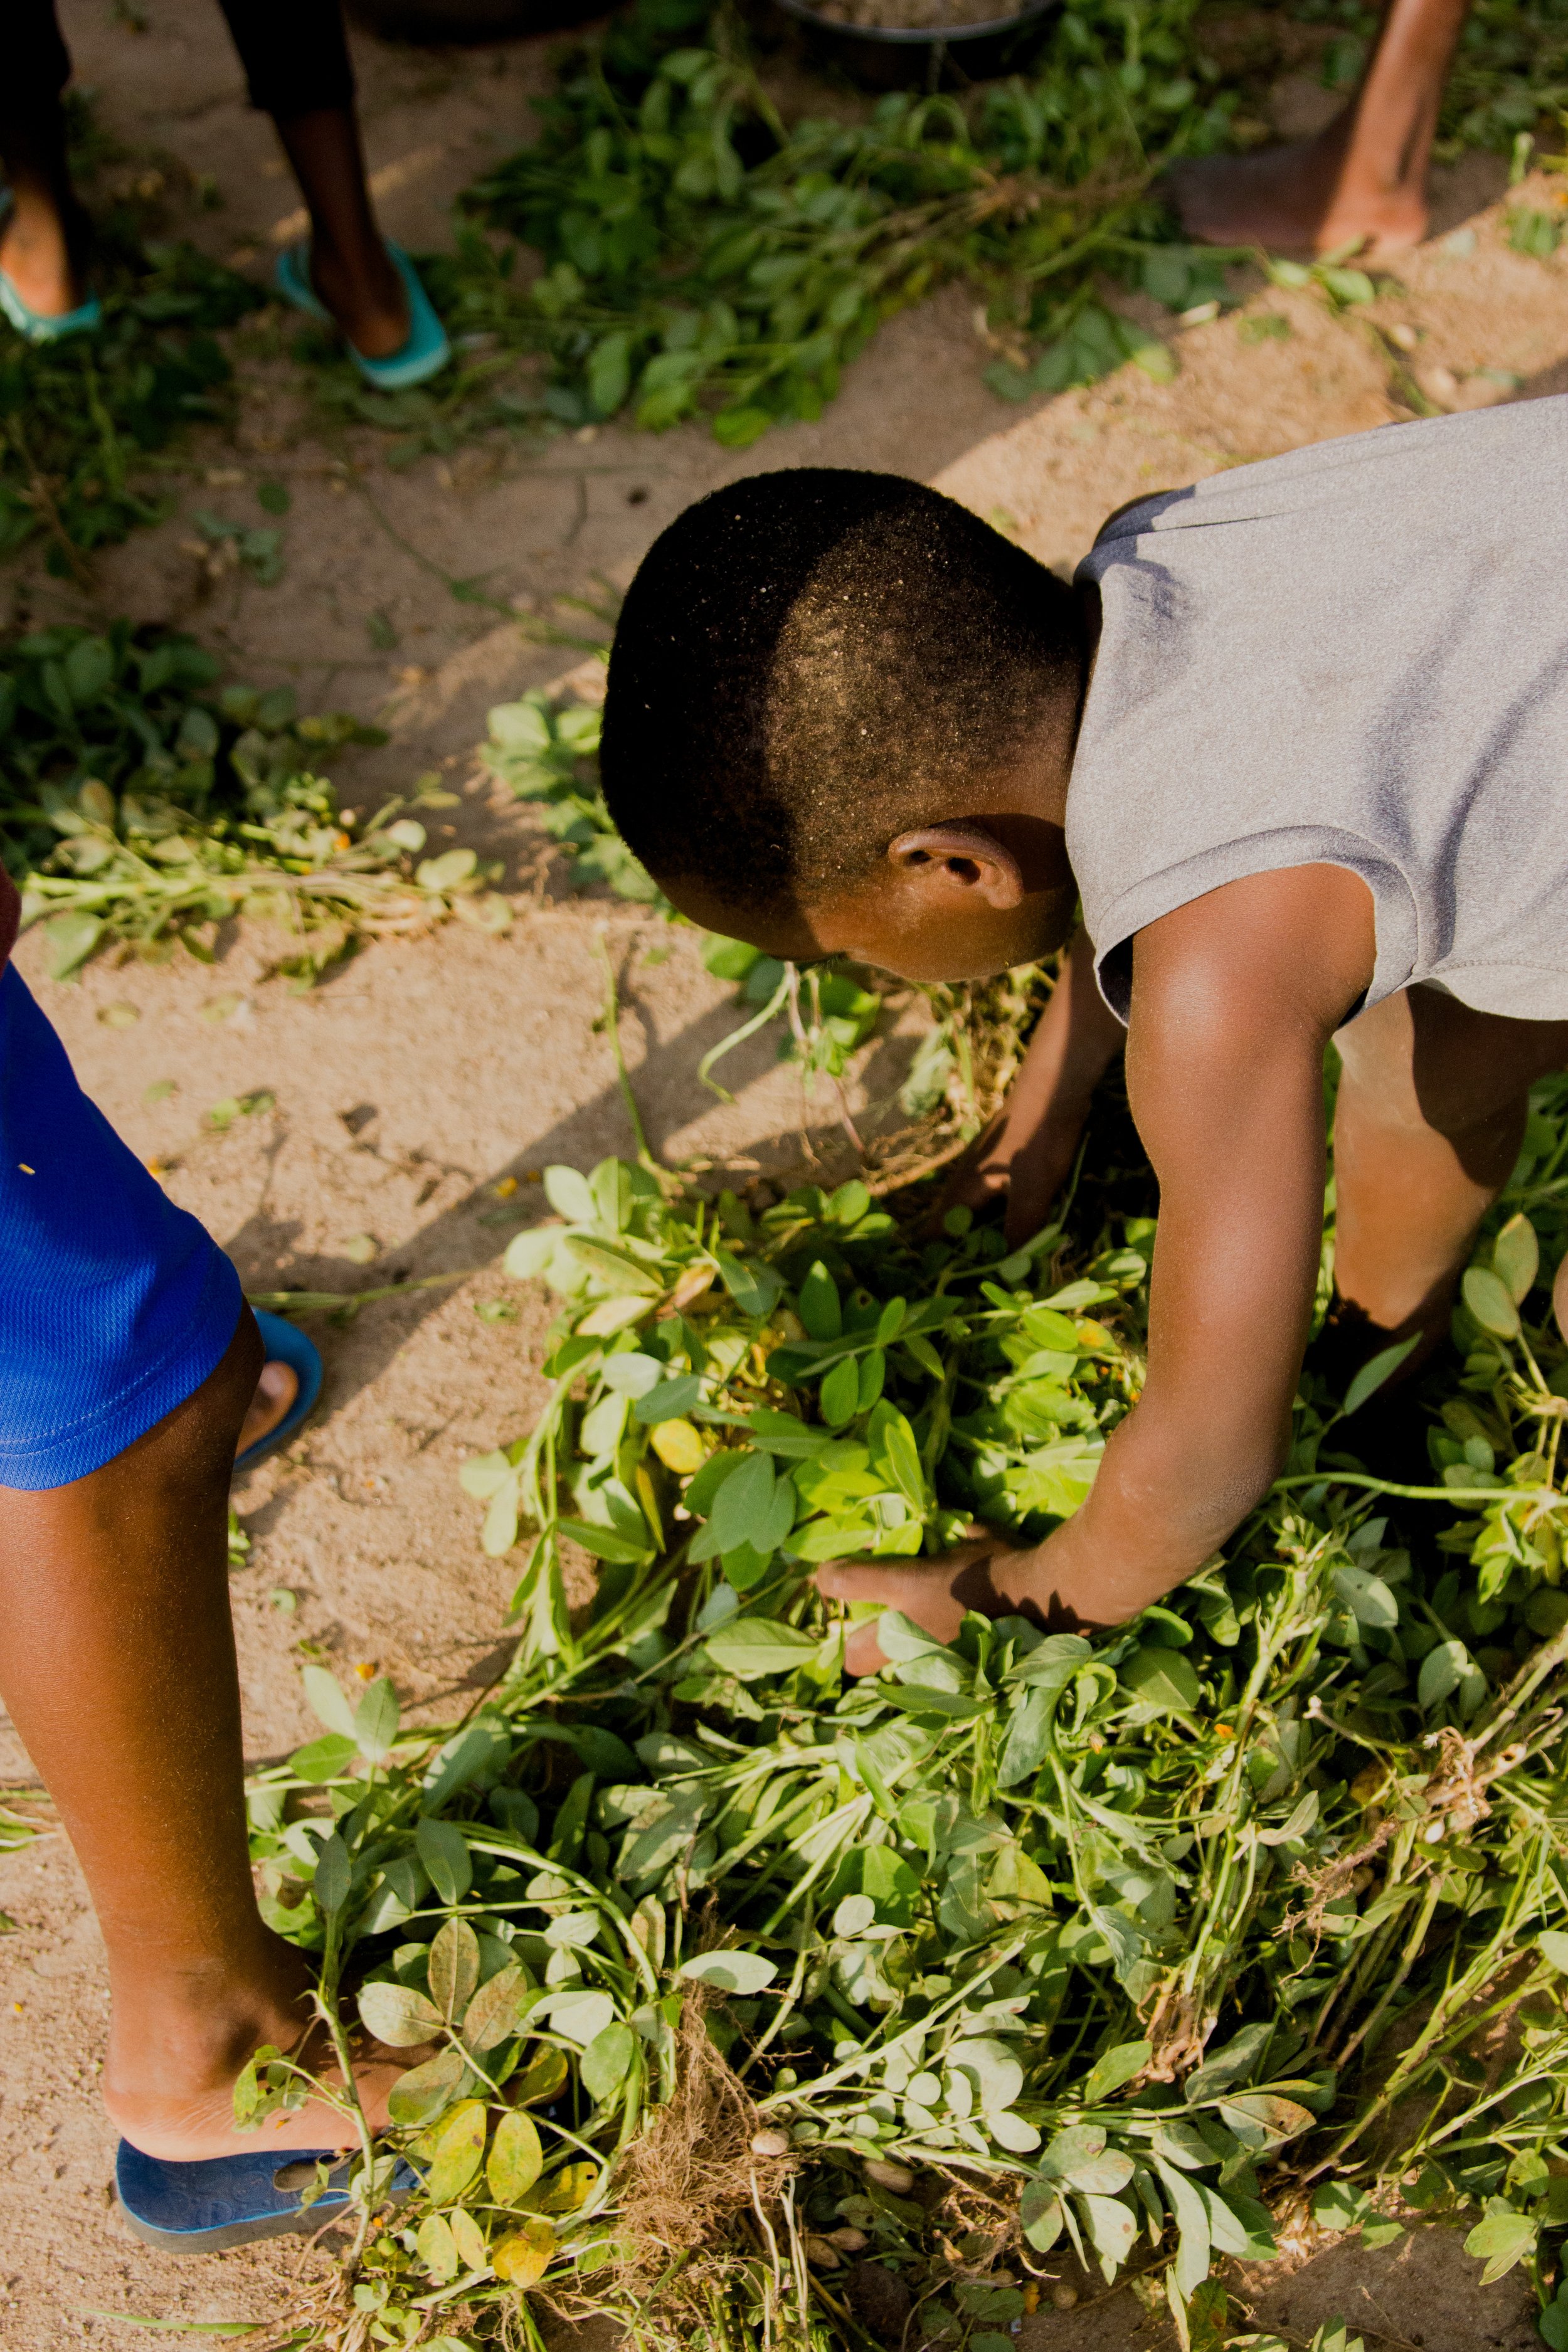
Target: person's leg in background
<point>117,1666</point>
<point>1364,177</point>
<point>297,69</point>
<point>45,239</point>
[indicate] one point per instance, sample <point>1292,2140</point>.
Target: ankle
<point>365,293</point>
<point>361,266</point>
<point>185,2030</point>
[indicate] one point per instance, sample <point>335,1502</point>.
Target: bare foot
<point>169,2080</point>
<point>983,1574</point>
<point>1304,197</point>
<point>275,1394</point>
<point>365,297</point>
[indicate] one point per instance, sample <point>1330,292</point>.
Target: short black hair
<point>811,662</point>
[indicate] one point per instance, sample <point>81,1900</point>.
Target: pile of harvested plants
<point>701,254</point>
<point>143,802</point>
<point>773,2009</point>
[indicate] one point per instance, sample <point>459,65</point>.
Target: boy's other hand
<point>1028,1149</point>
<point>1021,1159</point>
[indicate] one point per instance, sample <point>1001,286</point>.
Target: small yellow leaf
<point>516,2158</point>
<point>457,2147</point>
<point>691,1288</point>
<point>680,1447</point>
<point>543,2077</point>
<point>438,2248</point>
<point>565,2190</point>
<point>468,2239</point>
<point>524,2257</point>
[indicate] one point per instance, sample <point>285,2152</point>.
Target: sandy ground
<point>409,1089</point>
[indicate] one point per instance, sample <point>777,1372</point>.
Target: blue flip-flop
<point>233,2201</point>
<point>426,350</point>
<point>285,1345</point>
<point>38,325</point>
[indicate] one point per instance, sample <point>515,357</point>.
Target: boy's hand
<point>1015,1160</point>
<point>1048,1582</point>
<point>1028,1149</point>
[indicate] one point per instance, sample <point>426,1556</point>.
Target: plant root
<point>690,2177</point>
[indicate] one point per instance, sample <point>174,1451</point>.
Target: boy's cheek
<point>971,946</point>
<point>781,930</point>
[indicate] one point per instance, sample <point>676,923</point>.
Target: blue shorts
<point>115,1305</point>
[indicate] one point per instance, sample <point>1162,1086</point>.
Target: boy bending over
<point>1297,740</point>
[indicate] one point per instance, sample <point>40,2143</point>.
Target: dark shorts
<point>295,58</point>
<point>115,1305</point>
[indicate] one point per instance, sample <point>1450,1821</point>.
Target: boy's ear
<point>958,860</point>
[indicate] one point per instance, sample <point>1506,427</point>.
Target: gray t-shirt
<point>1357,656</point>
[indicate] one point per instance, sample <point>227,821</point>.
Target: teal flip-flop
<point>423,356</point>
<point>38,325</point>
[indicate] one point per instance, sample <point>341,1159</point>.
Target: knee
<point>1377,1094</point>
<point>1384,1093</point>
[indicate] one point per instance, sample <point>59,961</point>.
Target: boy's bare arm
<point>1234,1000</point>
<point>1230,1015</point>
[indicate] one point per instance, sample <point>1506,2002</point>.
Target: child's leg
<point>351,269</point>
<point>127,1362</point>
<point>117,1665</point>
<point>119,1671</point>
<point>1432,1108</point>
<point>43,244</point>
<point>1363,176</point>
<point>297,69</point>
